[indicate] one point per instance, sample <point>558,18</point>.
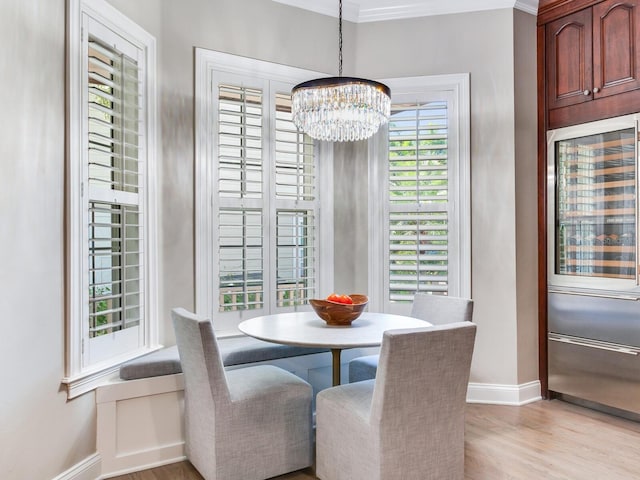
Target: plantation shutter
<point>264,201</point>
<point>114,179</point>
<point>240,198</point>
<point>418,225</point>
<point>295,200</point>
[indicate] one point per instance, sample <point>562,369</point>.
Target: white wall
<point>41,433</point>
<point>526,195</point>
<point>503,165</point>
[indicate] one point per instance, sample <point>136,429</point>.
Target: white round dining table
<point>306,329</point>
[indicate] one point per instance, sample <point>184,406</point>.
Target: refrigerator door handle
<point>585,342</point>
<point>593,294</point>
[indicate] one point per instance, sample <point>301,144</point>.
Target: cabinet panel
<point>605,107</point>
<point>569,61</point>
<point>616,47</point>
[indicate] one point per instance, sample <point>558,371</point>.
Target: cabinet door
<point>569,60</point>
<point>616,47</point>
<point>595,209</point>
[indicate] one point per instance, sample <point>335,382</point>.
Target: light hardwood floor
<point>550,440</point>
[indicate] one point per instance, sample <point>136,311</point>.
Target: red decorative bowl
<point>340,314</point>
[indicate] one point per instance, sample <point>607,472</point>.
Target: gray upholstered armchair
<point>407,423</point>
<point>247,424</point>
<point>435,309</point>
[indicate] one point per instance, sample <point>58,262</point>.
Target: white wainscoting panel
<point>140,424</point>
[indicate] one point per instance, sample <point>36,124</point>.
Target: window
<point>258,193</point>
<point>111,209</point>
<point>422,218</point>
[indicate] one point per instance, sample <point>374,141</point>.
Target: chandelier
<point>340,109</point>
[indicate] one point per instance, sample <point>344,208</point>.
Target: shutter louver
<point>418,200</point>
<point>295,234</point>
<point>114,114</point>
<point>240,259</point>
<point>265,201</point>
<point>115,219</point>
<point>114,268</point>
<point>240,196</point>
<point>295,179</point>
<point>240,142</point>
<point>295,167</point>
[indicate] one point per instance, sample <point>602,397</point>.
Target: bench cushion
<point>240,350</point>
<point>363,368</point>
<point>234,351</point>
<point>161,362</point>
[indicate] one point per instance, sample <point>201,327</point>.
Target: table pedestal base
<point>335,360</point>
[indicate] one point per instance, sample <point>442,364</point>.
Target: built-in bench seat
<point>234,351</point>
<point>140,415</point>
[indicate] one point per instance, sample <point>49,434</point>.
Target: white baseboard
<point>504,394</point>
<point>87,469</point>
<point>141,465</point>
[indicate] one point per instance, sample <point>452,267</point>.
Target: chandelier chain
<point>340,38</point>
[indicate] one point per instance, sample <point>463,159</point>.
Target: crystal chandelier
<point>340,109</point>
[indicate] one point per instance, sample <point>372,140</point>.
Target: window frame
<point>209,65</point>
<point>80,375</point>
<point>455,88</point>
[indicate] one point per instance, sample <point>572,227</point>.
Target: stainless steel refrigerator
<point>593,289</point>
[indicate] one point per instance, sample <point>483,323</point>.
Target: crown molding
<point>350,10</point>
<point>381,10</point>
<point>528,6</point>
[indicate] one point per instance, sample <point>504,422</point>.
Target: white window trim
<point>79,380</point>
<point>207,63</point>
<point>458,86</point>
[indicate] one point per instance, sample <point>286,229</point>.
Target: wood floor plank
<point>550,440</point>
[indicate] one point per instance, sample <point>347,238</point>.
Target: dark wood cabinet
<point>592,54</point>
<point>588,70</point>
<point>616,47</point>
<point>569,60</point>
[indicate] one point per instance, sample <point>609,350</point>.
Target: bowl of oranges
<point>338,309</point>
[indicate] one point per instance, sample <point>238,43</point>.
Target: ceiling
<point>361,11</point>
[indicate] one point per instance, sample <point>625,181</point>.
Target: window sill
<point>88,381</point>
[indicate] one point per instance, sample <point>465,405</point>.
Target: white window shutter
<point>111,217</point>
<point>265,200</point>
<point>296,209</point>
<point>418,182</point>
<point>240,192</point>
<point>240,259</point>
<point>419,203</point>
<point>115,218</point>
<point>257,195</point>
<point>240,152</point>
